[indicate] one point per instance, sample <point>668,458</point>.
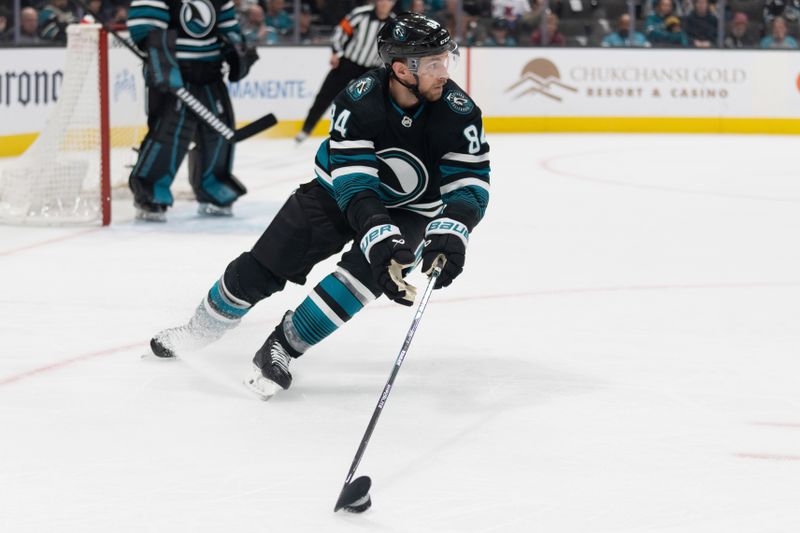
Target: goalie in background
<point>186,42</point>
<point>404,175</point>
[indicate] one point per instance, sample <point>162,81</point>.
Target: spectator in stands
<point>554,37</point>
<point>682,8</point>
<point>28,26</point>
<point>278,18</point>
<point>95,6</point>
<point>119,16</point>
<point>623,35</point>
<point>254,29</point>
<point>701,25</point>
<point>5,35</point>
<point>779,39</point>
<point>511,10</point>
<point>738,36</point>
<point>308,33</point>
<point>789,10</point>
<point>499,34</point>
<point>418,6</point>
<point>54,19</point>
<point>532,19</point>
<point>428,7</point>
<point>663,29</point>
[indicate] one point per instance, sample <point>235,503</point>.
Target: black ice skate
<point>271,366</point>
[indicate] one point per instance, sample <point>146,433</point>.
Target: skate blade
<point>153,357</point>
<point>262,387</point>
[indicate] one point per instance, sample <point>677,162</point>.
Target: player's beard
<point>433,93</point>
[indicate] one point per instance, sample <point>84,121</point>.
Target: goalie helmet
<point>412,36</point>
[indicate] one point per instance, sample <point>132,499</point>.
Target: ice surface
<point>620,355</point>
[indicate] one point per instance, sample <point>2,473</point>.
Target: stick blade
<point>355,496</point>
<point>257,126</point>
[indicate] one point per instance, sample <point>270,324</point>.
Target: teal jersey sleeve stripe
<point>138,33</point>
<point>228,14</point>
<point>345,159</point>
<point>474,200</point>
<point>347,186</point>
<point>194,48</point>
<point>147,12</point>
<point>448,170</point>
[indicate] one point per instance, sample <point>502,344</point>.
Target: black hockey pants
<point>310,228</point>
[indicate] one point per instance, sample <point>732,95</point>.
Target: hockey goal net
<point>85,152</point>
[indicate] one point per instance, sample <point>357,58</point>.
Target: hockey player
<point>405,171</point>
<point>354,53</point>
<point>186,42</point>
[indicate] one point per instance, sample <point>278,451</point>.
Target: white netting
<point>57,180</point>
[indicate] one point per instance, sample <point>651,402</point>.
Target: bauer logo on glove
<point>445,237</point>
<point>388,256</point>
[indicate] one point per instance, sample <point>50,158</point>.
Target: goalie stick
<point>202,112</point>
<point>354,496</point>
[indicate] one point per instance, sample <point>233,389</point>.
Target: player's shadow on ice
<point>450,384</point>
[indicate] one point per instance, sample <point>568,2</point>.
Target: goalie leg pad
<point>161,152</point>
<point>211,160</point>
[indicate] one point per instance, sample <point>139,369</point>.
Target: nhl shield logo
<point>198,17</point>
<point>406,121</point>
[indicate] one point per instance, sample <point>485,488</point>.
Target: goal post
<point>84,154</point>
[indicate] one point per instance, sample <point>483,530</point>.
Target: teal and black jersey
<point>197,22</point>
<point>428,160</point>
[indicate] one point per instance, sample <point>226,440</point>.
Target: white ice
<point>622,354</point>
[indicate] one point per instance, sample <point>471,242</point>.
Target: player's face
<point>433,72</point>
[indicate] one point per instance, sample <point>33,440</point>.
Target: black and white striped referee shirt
<point>356,36</point>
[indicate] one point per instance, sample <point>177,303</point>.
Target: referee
<point>355,51</point>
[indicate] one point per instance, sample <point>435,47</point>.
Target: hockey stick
<point>354,496</point>
<point>202,112</point>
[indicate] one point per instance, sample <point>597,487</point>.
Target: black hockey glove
<point>388,254</point>
<point>162,70</point>
<point>239,55</point>
<point>447,237</point>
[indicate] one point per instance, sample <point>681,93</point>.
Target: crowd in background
<point>612,23</point>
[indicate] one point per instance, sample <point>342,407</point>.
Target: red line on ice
<point>542,292</point>
<point>65,362</point>
<point>49,241</point>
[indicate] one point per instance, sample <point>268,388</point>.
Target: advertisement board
<point>518,89</point>
<point>666,83</point>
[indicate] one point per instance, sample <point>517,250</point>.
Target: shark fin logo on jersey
<point>459,102</point>
<point>403,177</point>
<point>198,17</point>
<point>360,87</point>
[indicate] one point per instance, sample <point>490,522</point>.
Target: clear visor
<point>439,66</point>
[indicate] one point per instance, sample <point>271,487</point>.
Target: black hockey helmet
<point>412,36</point>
